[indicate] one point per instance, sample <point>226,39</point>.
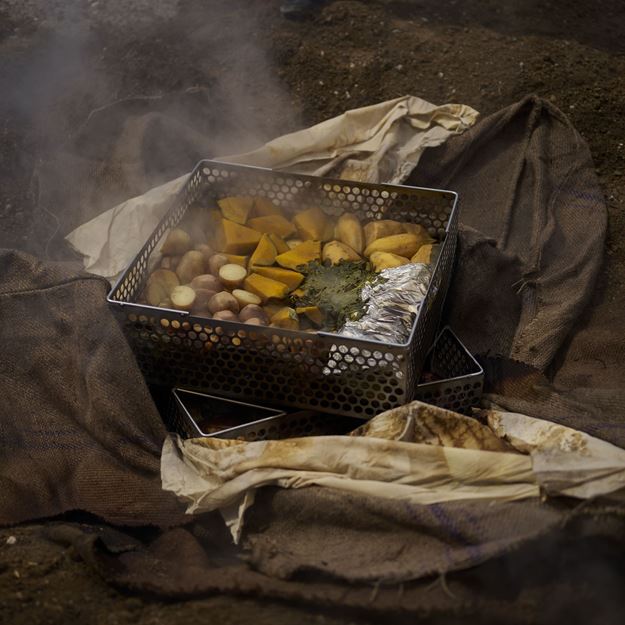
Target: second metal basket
<point>199,415</point>
<point>194,414</point>
<point>460,377</point>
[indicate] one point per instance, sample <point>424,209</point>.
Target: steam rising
<point>118,97</point>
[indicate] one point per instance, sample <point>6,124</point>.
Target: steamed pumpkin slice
<point>264,207</point>
<point>233,238</point>
<point>349,231</point>
<point>329,230</point>
<point>387,260</point>
<point>265,288</point>
<point>236,208</point>
<point>300,255</point>
<point>285,318</point>
<point>419,231</point>
<point>313,224</point>
<point>335,252</point>
<point>237,259</point>
<point>265,252</point>
<point>287,276</point>
<point>426,254</point>
<point>400,244</point>
<point>380,228</point>
<point>312,312</point>
<point>272,224</point>
<point>279,242</point>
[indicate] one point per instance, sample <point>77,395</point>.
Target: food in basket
<point>252,262</point>
<point>386,260</point>
<point>335,290</point>
<point>245,298</point>
<point>216,262</point>
<point>300,255</point>
<point>160,285</point>
<point>200,304</point>
<point>335,251</point>
<point>278,225</point>
<point>236,209</point>
<point>426,254</point>
<point>190,265</point>
<point>287,276</point>
<point>207,251</point>
<point>380,228</point>
<point>253,311</point>
<point>285,318</point>
<point>232,275</point>
<point>225,315</point>
<point>178,242</point>
<point>265,288</point>
<point>265,252</point>
<point>401,244</point>
<point>349,231</point>
<point>233,238</point>
<point>313,224</point>
<point>182,297</point>
<point>206,281</point>
<point>223,301</point>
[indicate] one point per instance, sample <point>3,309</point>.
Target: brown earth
<point>60,61</point>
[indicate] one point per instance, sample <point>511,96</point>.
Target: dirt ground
<point>59,61</point>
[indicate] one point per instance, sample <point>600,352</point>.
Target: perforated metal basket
<point>461,376</point>
<point>271,365</point>
<point>200,415</point>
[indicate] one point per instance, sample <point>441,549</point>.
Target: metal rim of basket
<point>235,325</point>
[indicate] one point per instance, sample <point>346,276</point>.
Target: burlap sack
<point>78,429</point>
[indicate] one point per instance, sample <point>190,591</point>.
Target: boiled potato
<point>183,297</point>
<point>225,315</point>
<point>170,262</point>
<point>178,242</point>
<point>216,262</point>
<point>206,281</point>
<point>420,231</point>
<point>207,251</point>
<point>160,284</point>
<point>202,297</point>
<point>223,301</point>
<point>190,265</point>
<point>246,298</point>
<point>252,311</point>
<point>255,321</point>
<point>232,275</point>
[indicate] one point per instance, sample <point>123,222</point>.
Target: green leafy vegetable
<point>335,289</point>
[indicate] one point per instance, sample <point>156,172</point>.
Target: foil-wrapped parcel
<point>391,301</point>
